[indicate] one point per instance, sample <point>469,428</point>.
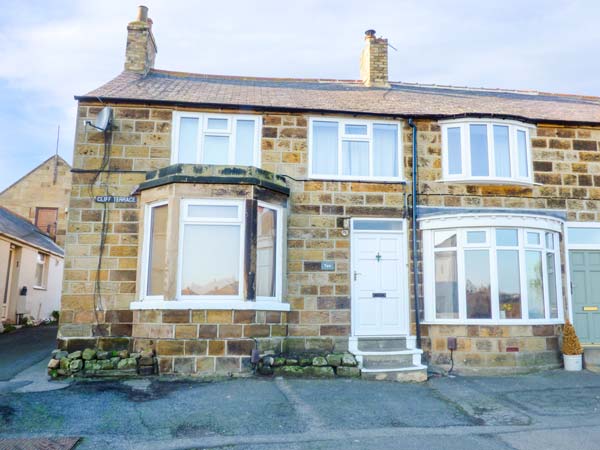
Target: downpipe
<point>414,231</point>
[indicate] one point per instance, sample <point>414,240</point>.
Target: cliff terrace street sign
<point>115,199</point>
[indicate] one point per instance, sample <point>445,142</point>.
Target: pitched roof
<point>349,96</point>
<point>20,228</point>
<point>34,169</point>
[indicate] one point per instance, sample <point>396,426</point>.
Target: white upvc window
<point>506,272</point>
<point>487,151</point>
<point>220,139</point>
<point>211,249</point>
<point>353,149</point>
<point>269,252</point>
<point>154,251</point>
<point>41,270</point>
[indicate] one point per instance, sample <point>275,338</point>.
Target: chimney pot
<point>142,14</point>
<point>370,34</point>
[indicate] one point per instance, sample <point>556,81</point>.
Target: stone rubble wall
<point>94,362</point>
<point>310,365</point>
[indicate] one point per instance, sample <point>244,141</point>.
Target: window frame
<point>203,131</point>
<point>465,151</point>
<point>45,267</point>
<point>278,253</point>
<point>342,135</point>
<point>462,225</point>
<point>184,219</point>
<point>146,248</point>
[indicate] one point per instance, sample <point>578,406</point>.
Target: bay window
<point>355,149</point>
<point>211,250</point>
<point>499,270</point>
<point>203,138</point>
<point>156,230</point>
<point>268,251</point>
<point>210,259</point>
<point>486,151</point>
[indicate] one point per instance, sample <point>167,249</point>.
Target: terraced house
<point>297,215</point>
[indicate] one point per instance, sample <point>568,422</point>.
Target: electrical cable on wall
<point>103,124</point>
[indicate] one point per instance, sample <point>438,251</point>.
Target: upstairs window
<point>486,151</point>
<point>355,149</point>
<point>46,219</point>
<point>202,138</point>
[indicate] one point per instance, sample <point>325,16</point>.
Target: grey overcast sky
<point>52,50</point>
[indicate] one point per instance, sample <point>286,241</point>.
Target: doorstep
<point>591,357</point>
<point>389,358</point>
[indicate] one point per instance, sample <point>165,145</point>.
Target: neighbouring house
<point>31,268</point>
<point>219,213</point>
<point>42,196</point>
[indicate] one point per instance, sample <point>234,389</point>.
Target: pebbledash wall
<point>96,303</point>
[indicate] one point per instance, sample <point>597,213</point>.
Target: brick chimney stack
<point>374,61</point>
<point>141,46</point>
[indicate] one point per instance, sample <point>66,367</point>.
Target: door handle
<point>356,274</point>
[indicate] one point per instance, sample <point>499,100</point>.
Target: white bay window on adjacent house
<point>221,139</point>
<point>355,149</point>
<point>486,151</point>
<point>499,270</point>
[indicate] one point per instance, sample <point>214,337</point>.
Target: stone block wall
<point>207,341</point>
<point>95,300</point>
<point>565,160</point>
<point>508,347</point>
<point>566,164</point>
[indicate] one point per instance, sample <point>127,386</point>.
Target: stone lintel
<point>214,174</point>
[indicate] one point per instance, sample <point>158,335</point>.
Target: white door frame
<point>568,248</point>
<point>403,278</point>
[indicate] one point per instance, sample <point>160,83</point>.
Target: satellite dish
<point>104,118</point>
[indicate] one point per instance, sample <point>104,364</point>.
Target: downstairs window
<point>498,274</point>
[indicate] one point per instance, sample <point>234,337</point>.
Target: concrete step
<point>379,344</point>
<point>415,374</point>
<point>372,361</point>
<point>591,357</point>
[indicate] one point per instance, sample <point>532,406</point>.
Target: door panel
<point>378,293</point>
<point>585,281</point>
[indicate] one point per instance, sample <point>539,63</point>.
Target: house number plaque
<point>328,266</point>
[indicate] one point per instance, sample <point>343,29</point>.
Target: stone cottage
<point>407,223</point>
<point>42,197</point>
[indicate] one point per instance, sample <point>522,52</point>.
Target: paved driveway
<point>552,410</point>
<point>23,348</point>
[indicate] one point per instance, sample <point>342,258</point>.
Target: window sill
<point>210,304</point>
<point>356,179</point>
<point>489,182</point>
<point>495,322</point>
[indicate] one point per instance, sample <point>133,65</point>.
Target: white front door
<point>379,271</point>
